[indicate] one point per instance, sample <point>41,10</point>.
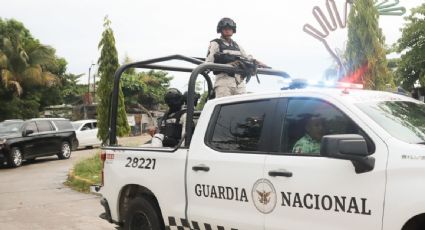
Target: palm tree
<point>23,60</point>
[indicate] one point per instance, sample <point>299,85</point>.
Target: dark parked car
<point>26,140</point>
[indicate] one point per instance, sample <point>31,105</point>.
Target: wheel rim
<point>17,157</point>
<point>139,221</point>
<point>66,150</point>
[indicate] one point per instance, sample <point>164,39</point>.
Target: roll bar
<point>202,68</point>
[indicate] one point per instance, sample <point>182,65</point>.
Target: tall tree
<point>411,66</point>
<point>365,51</point>
<point>28,72</point>
<point>108,64</point>
<point>24,61</point>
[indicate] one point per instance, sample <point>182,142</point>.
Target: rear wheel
<point>15,157</point>
<point>141,214</point>
<point>65,152</point>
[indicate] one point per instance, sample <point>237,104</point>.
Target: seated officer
<point>173,123</point>
<point>172,126</point>
<point>310,142</point>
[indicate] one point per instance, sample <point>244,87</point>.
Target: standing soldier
<point>223,50</point>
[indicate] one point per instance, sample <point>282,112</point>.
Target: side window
<point>63,124</point>
<point>94,125</point>
<point>44,126</point>
<point>240,127</point>
<point>31,126</point>
<point>308,120</point>
<point>86,126</point>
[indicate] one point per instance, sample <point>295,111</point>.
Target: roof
<point>345,95</point>
<point>87,120</point>
<point>48,119</point>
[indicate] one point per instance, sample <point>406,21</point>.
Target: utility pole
<point>94,87</point>
<point>88,84</point>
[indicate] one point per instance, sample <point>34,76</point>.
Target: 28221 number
<point>141,163</point>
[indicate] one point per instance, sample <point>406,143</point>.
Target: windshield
<point>404,120</point>
<point>76,125</point>
<point>10,127</point>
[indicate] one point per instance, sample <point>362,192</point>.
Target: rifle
<point>249,66</point>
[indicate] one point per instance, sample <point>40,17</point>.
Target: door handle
<point>201,168</point>
<point>280,172</point>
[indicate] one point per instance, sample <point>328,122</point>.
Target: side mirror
<point>27,132</point>
<point>351,147</point>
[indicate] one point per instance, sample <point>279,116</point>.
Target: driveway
<point>34,197</point>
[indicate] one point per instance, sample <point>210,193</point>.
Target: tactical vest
<point>171,128</point>
<point>223,48</point>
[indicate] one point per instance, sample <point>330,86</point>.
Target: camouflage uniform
<point>226,85</point>
<point>307,145</point>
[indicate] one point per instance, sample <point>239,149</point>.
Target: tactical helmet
<point>226,22</point>
<point>173,97</point>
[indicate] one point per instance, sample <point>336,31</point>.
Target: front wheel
<point>141,214</point>
<point>15,157</point>
<point>65,152</point>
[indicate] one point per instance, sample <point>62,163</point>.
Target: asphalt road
<point>34,197</point>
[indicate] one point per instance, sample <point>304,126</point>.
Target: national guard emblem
<point>264,196</point>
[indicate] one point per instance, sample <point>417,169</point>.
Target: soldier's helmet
<point>226,23</point>
<point>173,97</point>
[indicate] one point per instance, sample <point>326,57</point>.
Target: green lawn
<point>89,170</point>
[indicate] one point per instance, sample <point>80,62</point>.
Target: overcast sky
<point>270,30</point>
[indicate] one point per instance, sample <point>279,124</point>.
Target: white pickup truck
<point>302,159</point>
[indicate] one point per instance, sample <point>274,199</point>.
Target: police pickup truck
<point>295,159</point>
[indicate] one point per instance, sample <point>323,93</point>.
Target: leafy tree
<point>71,91</point>
<point>202,101</point>
<point>365,47</point>
<point>133,88</point>
<point>127,60</point>
<point>411,66</point>
<point>157,83</point>
<point>28,72</point>
<point>108,64</point>
<point>24,61</point>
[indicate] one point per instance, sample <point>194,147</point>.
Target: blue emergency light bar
<point>303,83</point>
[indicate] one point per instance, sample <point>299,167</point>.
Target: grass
<point>86,172</point>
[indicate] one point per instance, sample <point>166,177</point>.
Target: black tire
<point>141,214</point>
<point>65,151</point>
<point>417,224</point>
<point>15,157</point>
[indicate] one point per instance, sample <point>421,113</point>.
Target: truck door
<point>226,163</point>
<point>314,192</point>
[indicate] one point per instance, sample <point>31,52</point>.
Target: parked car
<point>26,140</point>
<point>86,131</point>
